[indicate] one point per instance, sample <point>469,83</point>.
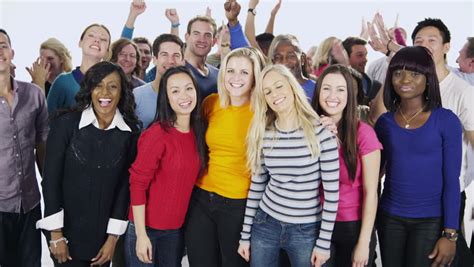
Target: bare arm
<point>271,21</point>
<point>370,176</point>
<point>470,137</point>
<point>172,16</point>
<point>377,107</point>
<point>143,246</point>
<point>137,7</point>
<point>250,25</point>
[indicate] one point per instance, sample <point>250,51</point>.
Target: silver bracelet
<point>55,242</point>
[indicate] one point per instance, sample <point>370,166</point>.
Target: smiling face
<point>182,94</point>
<point>168,56</point>
<point>6,55</point>
<point>106,96</point>
<point>278,93</point>
<point>430,37</point>
<point>200,39</point>
<point>408,84</point>
<point>286,54</point>
<point>95,42</point>
<point>358,58</point>
<point>333,95</point>
<point>239,78</point>
<point>54,61</point>
<point>145,55</point>
<point>127,59</point>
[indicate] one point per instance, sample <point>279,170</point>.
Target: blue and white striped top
<point>287,187</point>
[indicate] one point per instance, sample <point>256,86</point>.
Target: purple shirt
<point>23,126</point>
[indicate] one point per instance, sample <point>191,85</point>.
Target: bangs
<point>417,59</point>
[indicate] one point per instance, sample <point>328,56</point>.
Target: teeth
<point>185,104</point>
<point>332,104</point>
<point>237,85</point>
<point>278,101</point>
<point>105,102</point>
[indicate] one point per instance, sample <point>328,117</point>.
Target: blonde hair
<point>321,56</point>
<point>60,50</point>
<point>255,58</point>
<point>264,117</point>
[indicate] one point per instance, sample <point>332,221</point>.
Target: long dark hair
<point>166,116</point>
<point>93,77</point>
<point>417,59</point>
<point>347,126</point>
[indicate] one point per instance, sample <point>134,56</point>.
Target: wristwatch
<point>451,236</point>
<point>252,10</point>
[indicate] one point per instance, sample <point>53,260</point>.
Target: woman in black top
<point>85,181</point>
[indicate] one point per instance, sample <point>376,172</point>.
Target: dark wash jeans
<point>20,241</point>
<point>212,230</point>
<point>167,245</point>
<point>407,242</point>
<point>344,239</point>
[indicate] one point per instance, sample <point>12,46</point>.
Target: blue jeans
<point>167,246</point>
<point>269,235</point>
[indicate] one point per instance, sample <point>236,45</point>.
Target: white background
<point>31,22</point>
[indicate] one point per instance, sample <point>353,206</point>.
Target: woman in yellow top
<point>217,206</point>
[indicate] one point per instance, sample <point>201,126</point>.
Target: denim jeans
<point>213,228</point>
<point>407,242</point>
<point>269,235</point>
<point>167,246</point>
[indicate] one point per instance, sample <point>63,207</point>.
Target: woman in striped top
<point>353,241</point>
<point>290,154</point>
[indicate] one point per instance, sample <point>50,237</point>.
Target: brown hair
<point>204,19</point>
<point>117,47</point>
<point>347,126</point>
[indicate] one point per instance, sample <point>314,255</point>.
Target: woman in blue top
<point>418,215</point>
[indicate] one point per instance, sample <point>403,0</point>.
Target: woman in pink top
<point>353,240</point>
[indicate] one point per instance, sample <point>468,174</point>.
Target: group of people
<point>258,155</point>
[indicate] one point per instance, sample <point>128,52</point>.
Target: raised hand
<point>172,15</point>
<point>276,8</point>
<point>137,7</point>
<point>208,12</point>
<point>39,72</point>
<point>364,31</point>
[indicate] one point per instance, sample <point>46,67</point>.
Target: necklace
<point>407,121</point>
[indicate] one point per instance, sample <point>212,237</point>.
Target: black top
<point>86,174</point>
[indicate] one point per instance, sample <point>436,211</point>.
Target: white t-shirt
<point>458,96</point>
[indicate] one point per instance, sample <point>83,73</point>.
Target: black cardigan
<point>86,174</point>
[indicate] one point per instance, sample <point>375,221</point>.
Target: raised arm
<point>250,25</point>
<point>39,73</point>
<point>137,7</point>
<point>237,37</point>
<point>271,20</point>
<point>172,16</point>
